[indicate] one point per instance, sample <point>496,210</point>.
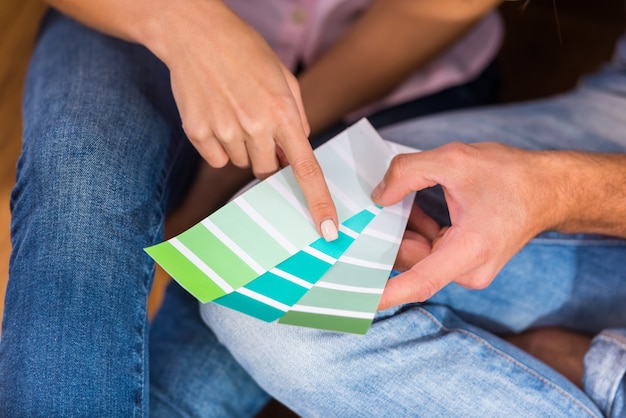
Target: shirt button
<point>298,16</point>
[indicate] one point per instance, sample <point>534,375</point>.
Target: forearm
<point>590,191</point>
<point>154,24</point>
<point>388,43</point>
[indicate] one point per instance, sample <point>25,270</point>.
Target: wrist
<point>168,26</point>
<point>579,193</point>
<point>551,185</point>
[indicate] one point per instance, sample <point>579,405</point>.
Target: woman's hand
<point>237,101</point>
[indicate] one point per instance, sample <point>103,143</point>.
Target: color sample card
<point>260,254</point>
<point>346,298</point>
<point>270,222</point>
<point>273,293</point>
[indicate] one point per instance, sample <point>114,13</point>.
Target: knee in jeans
<point>287,358</point>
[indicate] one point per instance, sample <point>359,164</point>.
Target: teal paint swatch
<point>280,293</point>
<point>356,282</point>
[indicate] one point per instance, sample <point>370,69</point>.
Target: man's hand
<point>498,198</point>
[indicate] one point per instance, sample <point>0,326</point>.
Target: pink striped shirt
<point>300,31</point>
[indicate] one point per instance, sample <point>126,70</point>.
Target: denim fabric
<point>104,157</point>
<point>605,363</point>
<point>102,148</point>
<point>444,358</point>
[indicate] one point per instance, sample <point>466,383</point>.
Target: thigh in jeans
<point>99,146</point>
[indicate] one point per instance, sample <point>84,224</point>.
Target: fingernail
<point>378,190</point>
<point>329,230</point>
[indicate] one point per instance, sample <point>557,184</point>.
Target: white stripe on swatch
<point>382,235</point>
<point>291,278</point>
<point>343,197</point>
<point>289,197</point>
<point>263,223</point>
<point>364,263</point>
<point>352,234</point>
<point>365,175</point>
<point>233,246</point>
<point>347,288</point>
<point>263,299</point>
<point>318,254</point>
<point>223,284</point>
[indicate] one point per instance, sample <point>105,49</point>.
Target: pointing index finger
<point>310,177</point>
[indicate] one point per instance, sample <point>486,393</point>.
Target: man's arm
<point>236,99</point>
<point>499,198</point>
<point>592,190</point>
<point>387,44</point>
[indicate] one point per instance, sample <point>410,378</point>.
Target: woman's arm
<point>386,45</point>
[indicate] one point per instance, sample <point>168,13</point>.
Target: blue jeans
<point>444,358</point>
<point>104,158</point>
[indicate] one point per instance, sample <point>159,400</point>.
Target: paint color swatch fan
<point>260,254</point>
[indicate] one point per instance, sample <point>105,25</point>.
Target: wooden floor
<point>539,57</point>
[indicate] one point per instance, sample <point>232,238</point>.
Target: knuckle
<point>479,251</point>
<point>475,281</point>
<point>321,206</point>
<point>457,153</point>
<point>264,171</point>
<point>282,107</point>
<point>399,165</point>
<point>227,134</point>
<point>217,160</point>
<point>196,130</point>
<point>255,128</point>
<point>422,288</point>
<point>306,169</point>
<point>241,162</point>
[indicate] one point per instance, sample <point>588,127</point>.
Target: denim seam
<point>621,341</point>
<point>507,358</point>
<point>160,192</point>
